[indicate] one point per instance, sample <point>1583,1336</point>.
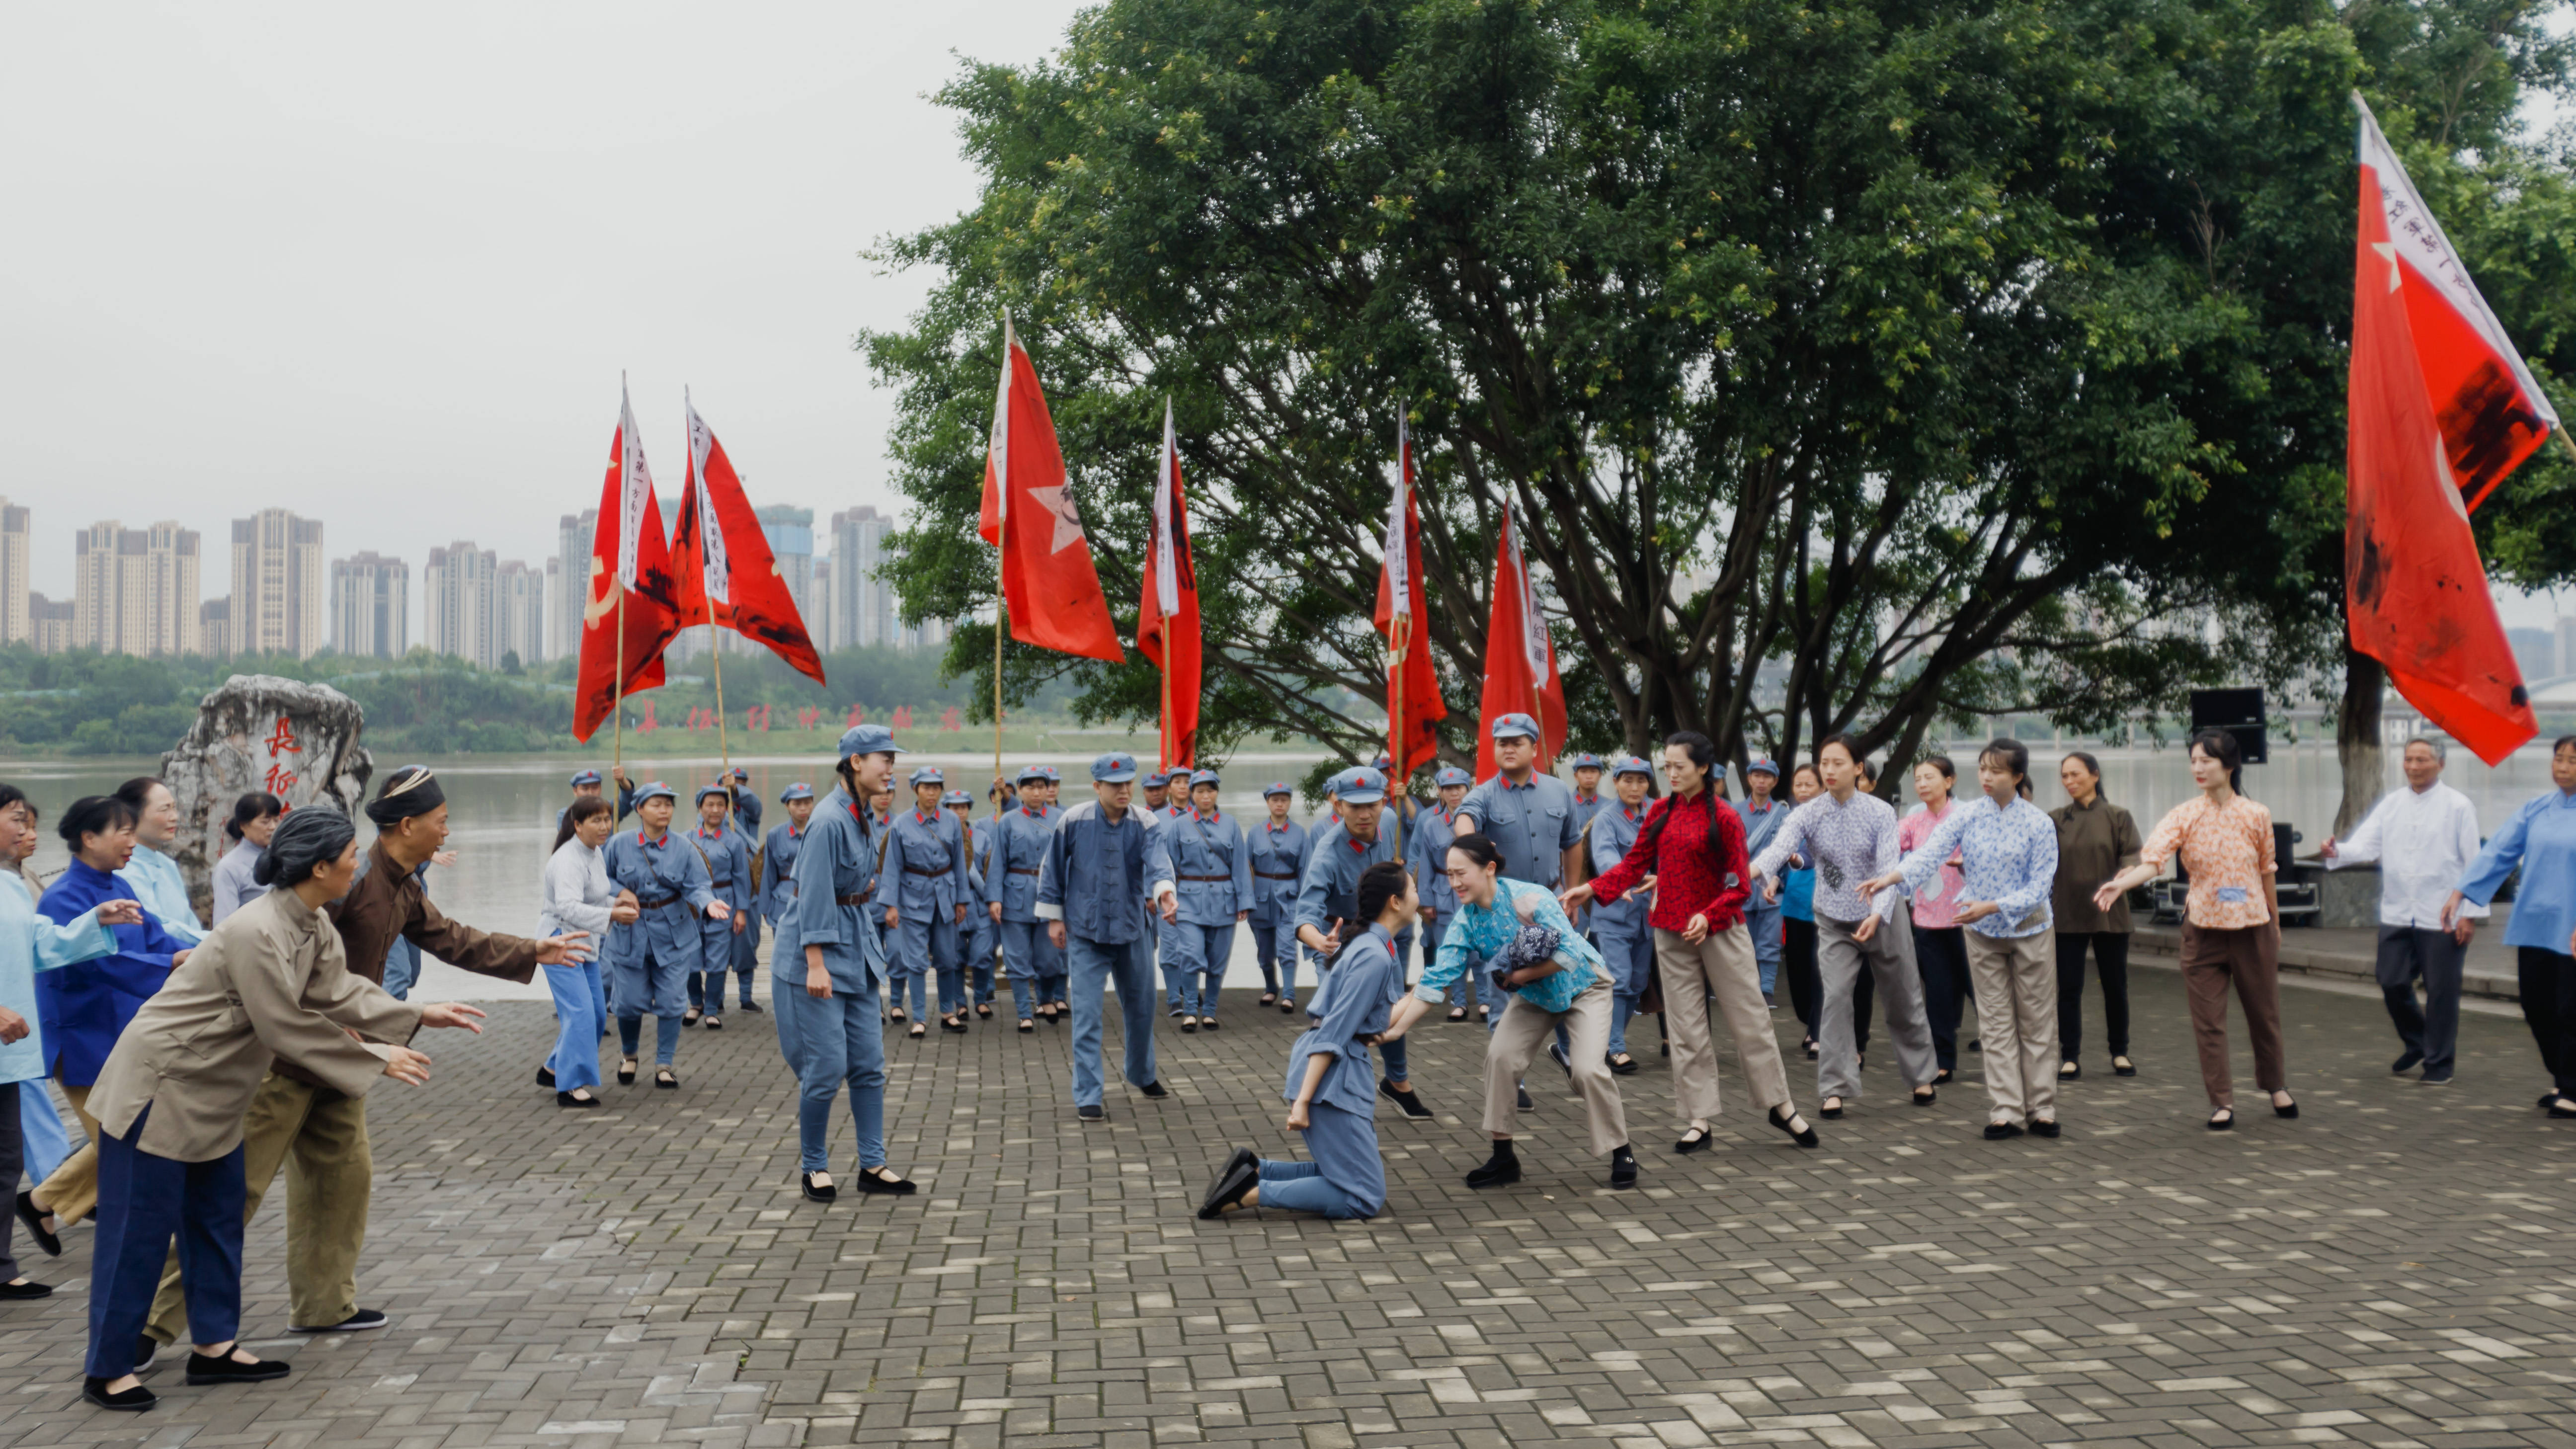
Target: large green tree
<point>1958,358</point>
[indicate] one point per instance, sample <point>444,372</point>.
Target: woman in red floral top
<point>1690,852</point>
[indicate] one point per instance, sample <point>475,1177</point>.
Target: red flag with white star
<point>1048,581</point>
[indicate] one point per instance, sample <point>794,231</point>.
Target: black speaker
<point>2237,711</point>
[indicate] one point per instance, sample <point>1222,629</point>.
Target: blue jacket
<point>2541,838</point>
<point>1352,1002</point>
<point>668,871</point>
<point>1017,852</point>
<point>1278,859</point>
<point>84,1008</point>
<point>926,866</point>
<point>1331,887</point>
<point>1532,825</point>
<point>163,892</point>
<point>1426,854</point>
<point>728,878</point>
<point>836,909</point>
<point>1211,866</point>
<point>29,944</point>
<point>778,872</point>
<point>1613,834</point>
<point>1095,876</point>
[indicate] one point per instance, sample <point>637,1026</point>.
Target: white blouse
<point>577,892</point>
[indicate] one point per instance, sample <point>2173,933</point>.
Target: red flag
<point>2439,405</point>
<point>628,558</point>
<point>1413,700</point>
<point>1048,581</point>
<point>1171,607</point>
<point>722,562</point>
<point>1520,657</point>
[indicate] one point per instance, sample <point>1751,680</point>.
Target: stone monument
<point>297,741</point>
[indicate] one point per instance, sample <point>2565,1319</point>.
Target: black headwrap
<point>409,791</point>
<point>312,836</point>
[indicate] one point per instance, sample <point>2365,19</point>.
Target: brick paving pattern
<point>2392,1268</point>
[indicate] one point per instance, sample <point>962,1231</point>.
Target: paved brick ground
<point>2392,1268</point>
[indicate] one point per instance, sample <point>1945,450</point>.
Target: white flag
<point>1399,559</point>
<point>1533,625</point>
<point>711,540</point>
<point>635,491</point>
<point>1167,571</point>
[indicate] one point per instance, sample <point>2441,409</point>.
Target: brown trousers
<point>2251,957</point>
<point>72,1191</point>
<point>1516,1039</point>
<point>1721,965</point>
<point>320,1138</point>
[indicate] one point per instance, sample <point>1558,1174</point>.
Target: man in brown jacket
<point>318,1133</point>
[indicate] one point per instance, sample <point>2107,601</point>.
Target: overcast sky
<point>383,268</point>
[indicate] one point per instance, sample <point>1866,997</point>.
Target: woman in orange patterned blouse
<point>2232,921</point>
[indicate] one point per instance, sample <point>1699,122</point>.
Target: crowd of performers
<point>204,1059</point>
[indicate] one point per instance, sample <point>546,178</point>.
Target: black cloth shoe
<point>545,1076</point>
<point>1694,1140</point>
<point>690,1016</point>
<point>666,1079</point>
<point>1405,1097</point>
<point>128,1401</point>
<point>826,1193</point>
<point>567,1099</point>
<point>2407,1063</point>
<point>229,1370</point>
<point>2435,1079</point>
<point>146,1349</point>
<point>1998,1131</point>
<point>1557,1055</point>
<point>751,1006</point>
<point>713,1022</point>
<point>1093,1113</point>
<point>1628,1067</point>
<point>20,1292</point>
<point>1829,1113</point>
<point>2070,1071</point>
<point>1500,1170</point>
<point>358,1322</point>
<point>1799,1132</point>
<point>2121,1066</point>
<point>52,1243</point>
<point>1241,1173</point>
<point>1287,1004</point>
<point>1525,1102</point>
<point>877,1181</point>
<point>2291,1110</point>
<point>1623,1169</point>
<point>2041,1128</point>
<point>1155,1089</point>
<point>1925,1096</point>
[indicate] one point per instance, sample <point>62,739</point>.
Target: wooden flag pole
<point>1399,643</point>
<point>715,655</point>
<point>1001,562</point>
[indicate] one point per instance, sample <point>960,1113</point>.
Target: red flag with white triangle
<point>1520,655</point>
<point>721,560</point>
<point>2440,408</point>
<point>1414,705</point>
<point>630,584</point>
<point>1167,620</point>
<point>1048,581</point>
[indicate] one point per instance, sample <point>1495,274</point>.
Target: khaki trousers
<point>72,1191</point>
<point>2016,984</point>
<point>320,1138</point>
<point>2249,956</point>
<point>1723,966</point>
<point>1516,1039</point>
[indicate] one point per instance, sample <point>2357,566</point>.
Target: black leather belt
<point>655,905</point>
<point>917,870</point>
<point>851,900</point>
<point>1265,875</point>
<point>1015,870</point>
<point>1220,879</point>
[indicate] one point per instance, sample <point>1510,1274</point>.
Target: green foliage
<point>1967,357</point>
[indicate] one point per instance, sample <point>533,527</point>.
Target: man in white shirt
<point>2423,837</point>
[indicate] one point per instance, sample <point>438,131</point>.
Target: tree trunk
<point>2357,739</point>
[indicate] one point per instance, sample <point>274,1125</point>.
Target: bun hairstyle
<point>1948,767</point>
<point>305,839</point>
<point>137,792</point>
<point>256,806</point>
<point>1479,849</point>
<point>2012,755</point>
<point>1379,884</point>
<point>2219,745</point>
<point>93,815</point>
<point>2092,767</point>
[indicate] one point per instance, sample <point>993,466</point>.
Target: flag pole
<point>617,581</point>
<point>1399,643</point>
<point>1001,562</point>
<point>715,653</point>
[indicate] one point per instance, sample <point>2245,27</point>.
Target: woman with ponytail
<point>1692,847</point>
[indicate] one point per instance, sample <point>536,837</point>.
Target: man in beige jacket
<point>272,981</point>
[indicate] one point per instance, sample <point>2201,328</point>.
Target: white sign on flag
<point>635,489</point>
<point>1399,561</point>
<point>1533,625</point>
<point>1167,572</point>
<point>711,541</point>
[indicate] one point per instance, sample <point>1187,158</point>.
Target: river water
<point>502,808</point>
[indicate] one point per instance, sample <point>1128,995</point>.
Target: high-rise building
<point>134,590</point>
<point>569,579</point>
<point>371,606</point>
<point>790,531</point>
<point>457,603</point>
<point>818,606</point>
<point>862,604</point>
<point>15,552</point>
<point>49,625</point>
<point>280,595</point>
<point>519,613</point>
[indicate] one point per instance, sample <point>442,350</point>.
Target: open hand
<point>1874,886</point>
<point>452,1013</point>
<point>442,857</point>
<point>719,911</point>
<point>2451,908</point>
<point>2108,896</point>
<point>565,949</point>
<point>995,911</point>
<point>1576,899</point>
<point>120,913</point>
<point>1975,911</point>
<point>405,1065</point>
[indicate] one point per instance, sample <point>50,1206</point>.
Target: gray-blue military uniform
<point>778,877</point>
<point>1426,854</point>
<point>830,879</point>
<point>650,958</point>
<point>728,859</point>
<point>1619,929</point>
<point>1034,964</point>
<point>1532,825</point>
<point>1330,894</point>
<point>925,876</point>
<point>1277,855</point>
<point>1212,869</point>
<point>977,937</point>
<point>1096,877</point>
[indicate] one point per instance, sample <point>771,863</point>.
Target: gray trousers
<point>1890,955</point>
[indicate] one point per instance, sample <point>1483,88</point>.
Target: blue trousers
<point>647,985</point>
<point>1193,954</point>
<point>581,1019</point>
<point>1095,965</point>
<point>1392,1053</point>
<point>43,1142</point>
<point>402,968</point>
<point>1344,1178</point>
<point>720,948</point>
<point>832,1041</point>
<point>1768,937</point>
<point>1033,963</point>
<point>928,941</point>
<point>143,1201</point>
<point>1274,939</point>
<point>981,937</point>
<point>1632,965</point>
